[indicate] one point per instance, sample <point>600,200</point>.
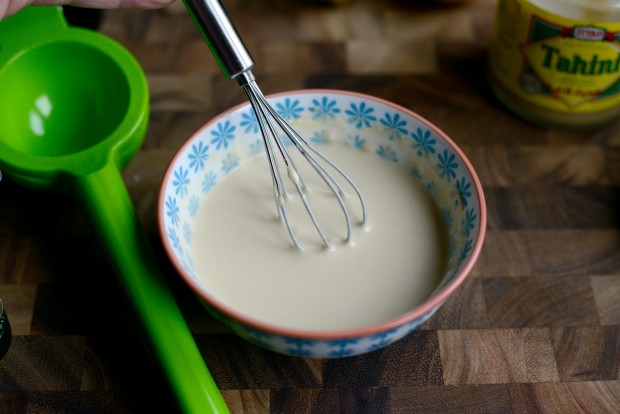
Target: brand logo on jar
<point>572,64</point>
<point>588,33</point>
<point>571,73</point>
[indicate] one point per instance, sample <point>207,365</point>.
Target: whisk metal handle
<point>221,36</point>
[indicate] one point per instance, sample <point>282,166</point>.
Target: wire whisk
<point>236,63</point>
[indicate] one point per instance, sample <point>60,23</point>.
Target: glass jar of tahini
<point>557,62</point>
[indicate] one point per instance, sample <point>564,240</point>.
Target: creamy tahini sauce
<point>245,259</point>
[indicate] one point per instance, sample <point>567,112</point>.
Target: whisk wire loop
<point>266,116</point>
<point>278,188</point>
<point>236,63</point>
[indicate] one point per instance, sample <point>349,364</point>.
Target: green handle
<point>107,200</point>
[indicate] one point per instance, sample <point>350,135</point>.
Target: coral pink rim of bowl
<point>415,313</point>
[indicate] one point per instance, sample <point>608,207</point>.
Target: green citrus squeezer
<point>74,109</point>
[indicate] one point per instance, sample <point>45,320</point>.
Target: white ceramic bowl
<point>379,124</point>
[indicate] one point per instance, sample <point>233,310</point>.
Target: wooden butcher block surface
<point>534,328</point>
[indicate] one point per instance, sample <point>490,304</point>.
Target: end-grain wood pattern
<point>534,329</point>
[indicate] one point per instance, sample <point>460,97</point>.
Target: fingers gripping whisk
<point>236,63</point>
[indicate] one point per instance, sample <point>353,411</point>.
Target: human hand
<point>9,7</point>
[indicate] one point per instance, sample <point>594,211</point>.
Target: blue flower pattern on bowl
<point>224,145</point>
<point>394,125</point>
<point>289,109</point>
<point>324,108</point>
<point>361,115</point>
<point>223,135</point>
<point>249,122</point>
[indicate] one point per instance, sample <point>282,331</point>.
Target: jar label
<point>554,62</point>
